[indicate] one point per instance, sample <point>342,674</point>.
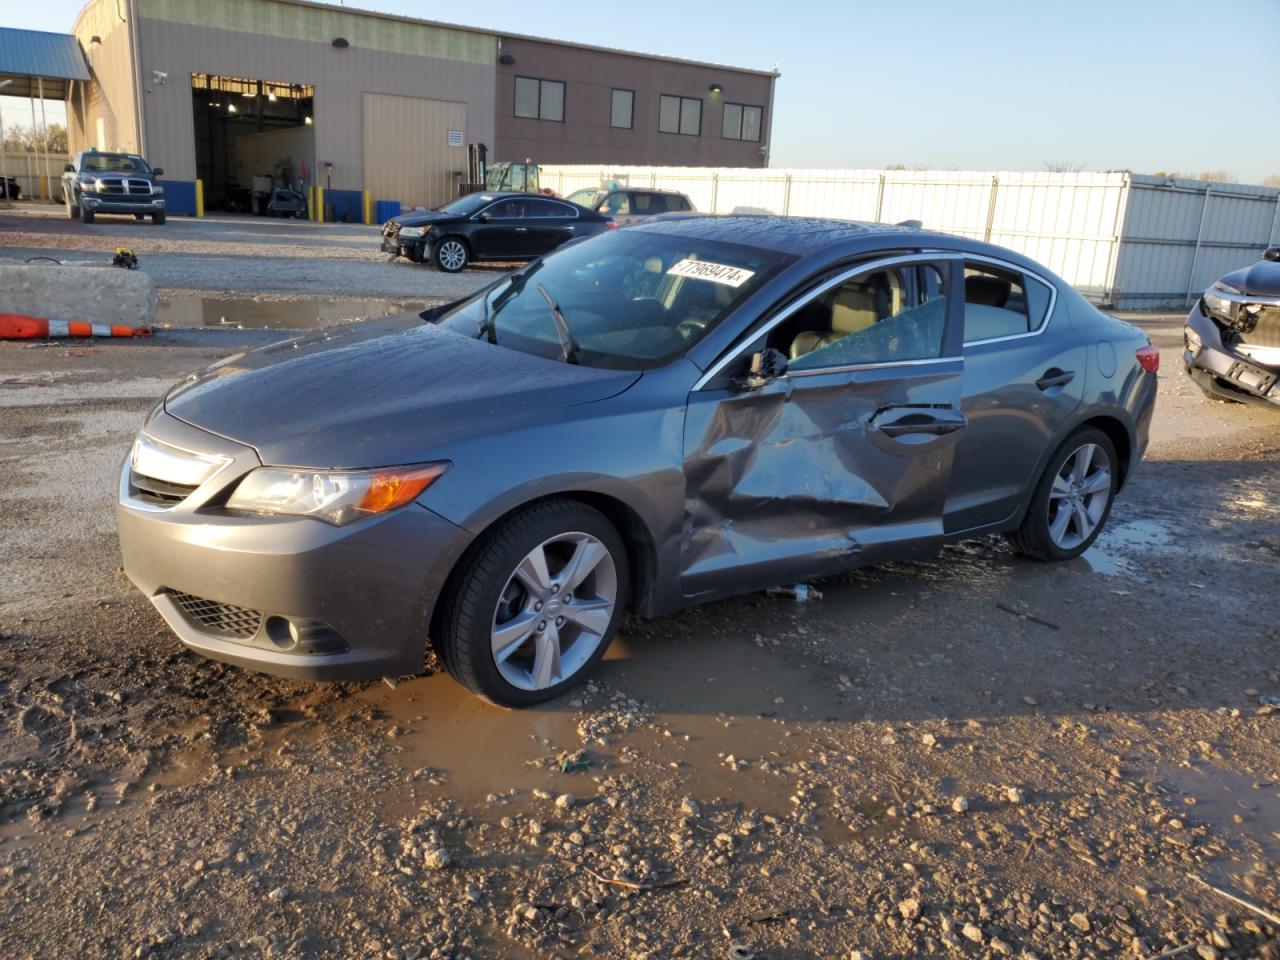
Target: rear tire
<point>502,599</point>
<point>1086,496</point>
<point>451,255</point>
<point>157,219</point>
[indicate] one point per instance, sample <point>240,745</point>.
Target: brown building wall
<point>585,134</point>
<point>109,97</point>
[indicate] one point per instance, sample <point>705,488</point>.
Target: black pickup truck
<point>112,183</point>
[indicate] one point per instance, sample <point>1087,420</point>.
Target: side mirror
<point>483,216</point>
<point>68,168</point>
<point>158,171</point>
<point>1273,253</point>
<point>766,366</point>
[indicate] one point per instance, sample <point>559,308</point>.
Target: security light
<point>341,43</point>
<point>716,89</point>
<point>307,121</point>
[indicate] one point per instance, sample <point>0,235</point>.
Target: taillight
<point>611,224</point>
<point>1148,358</point>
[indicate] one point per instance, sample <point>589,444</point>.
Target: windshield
<point>632,299</point>
<point>585,198</point>
<point>113,163</point>
<point>465,206</point>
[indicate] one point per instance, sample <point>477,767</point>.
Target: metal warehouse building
<point>226,90</point>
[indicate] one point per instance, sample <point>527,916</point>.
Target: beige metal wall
<point>407,156</point>
<point>453,65</point>
<point>109,96</point>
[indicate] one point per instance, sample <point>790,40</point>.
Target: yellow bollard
<point>44,187</point>
<point>320,203</point>
<point>368,208</point>
<point>199,198</point>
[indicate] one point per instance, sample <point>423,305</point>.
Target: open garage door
<point>414,149</point>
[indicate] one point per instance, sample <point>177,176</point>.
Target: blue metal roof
<point>34,53</point>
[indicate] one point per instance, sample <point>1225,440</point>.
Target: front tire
<point>451,255</point>
<point>86,215</point>
<point>535,604</point>
<point>73,211</point>
<point>157,219</point>
<point>1072,500</point>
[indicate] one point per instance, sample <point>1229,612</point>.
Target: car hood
<point>379,394</point>
<point>1260,280</point>
<point>423,217</point>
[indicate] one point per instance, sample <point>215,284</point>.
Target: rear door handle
<point>1053,377</point>
<point>522,229</point>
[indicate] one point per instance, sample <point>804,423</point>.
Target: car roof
<point>801,236</point>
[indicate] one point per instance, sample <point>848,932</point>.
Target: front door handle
<point>522,229</point>
<point>1053,377</point>
<point>920,424</point>
<point>906,420</point>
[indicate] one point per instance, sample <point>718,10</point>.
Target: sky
<point>1143,85</point>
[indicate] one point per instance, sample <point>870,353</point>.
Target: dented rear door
<point>820,470</point>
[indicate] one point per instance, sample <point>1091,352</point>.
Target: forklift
<point>507,176</point>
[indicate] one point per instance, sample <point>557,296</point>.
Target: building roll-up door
<point>414,149</point>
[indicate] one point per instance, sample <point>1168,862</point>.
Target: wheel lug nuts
<point>537,605</point>
<point>559,621</point>
<point>542,625</point>
<point>555,588</point>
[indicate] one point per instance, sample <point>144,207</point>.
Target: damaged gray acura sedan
<point>686,409</point>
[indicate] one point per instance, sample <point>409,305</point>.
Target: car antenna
<point>568,345</point>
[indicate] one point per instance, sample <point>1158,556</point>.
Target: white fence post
<point>880,199</point>
<point>991,209</point>
<point>786,196</point>
<point>1195,257</point>
<point>715,192</point>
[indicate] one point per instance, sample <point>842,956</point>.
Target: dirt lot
<point>976,756</point>
<point>236,255</point>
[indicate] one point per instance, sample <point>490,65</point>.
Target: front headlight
<point>157,190</point>
<point>1219,301</point>
<point>412,232</point>
<point>335,496</point>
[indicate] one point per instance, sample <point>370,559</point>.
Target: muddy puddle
<point>251,313</point>
<point>1121,547</point>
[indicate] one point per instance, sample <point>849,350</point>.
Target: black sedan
<point>1232,336</point>
<point>489,226</point>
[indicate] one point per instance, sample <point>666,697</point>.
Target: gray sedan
<point>683,410</point>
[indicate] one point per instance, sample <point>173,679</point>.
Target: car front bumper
<point>1223,371</point>
<point>291,596</point>
<point>408,247</point>
<point>122,205</point>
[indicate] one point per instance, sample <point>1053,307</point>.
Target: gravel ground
<point>973,756</point>
<point>238,255</point>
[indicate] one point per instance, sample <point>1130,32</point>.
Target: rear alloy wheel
<point>536,605</point>
<point>451,255</point>
<point>1072,500</point>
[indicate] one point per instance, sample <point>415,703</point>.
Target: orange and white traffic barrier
<point>14,326</point>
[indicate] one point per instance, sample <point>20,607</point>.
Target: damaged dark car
<point>659,416</point>
<point>1232,336</point>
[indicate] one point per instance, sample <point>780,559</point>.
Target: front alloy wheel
<point>554,611</point>
<point>533,607</point>
<point>451,255</point>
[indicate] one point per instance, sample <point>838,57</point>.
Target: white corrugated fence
<point>1121,239</point>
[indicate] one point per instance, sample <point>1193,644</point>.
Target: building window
<point>539,99</point>
<point>680,115</point>
<point>622,109</point>
<point>741,122</point>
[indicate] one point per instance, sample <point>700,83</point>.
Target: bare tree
<point>1271,181</point>
<point>1217,176</point>
<point>1063,166</point>
<point>20,139</point>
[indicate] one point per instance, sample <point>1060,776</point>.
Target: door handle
<point>920,424</point>
<point>522,229</point>
<point>1053,377</point>
<point>902,421</point>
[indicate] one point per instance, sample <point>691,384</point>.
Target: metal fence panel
<point>1122,239</point>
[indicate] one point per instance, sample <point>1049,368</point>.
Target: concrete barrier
<point>77,292</point>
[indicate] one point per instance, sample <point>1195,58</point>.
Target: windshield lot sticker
<point>715,272</point>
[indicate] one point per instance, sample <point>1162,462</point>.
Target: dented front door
<point>818,472</point>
